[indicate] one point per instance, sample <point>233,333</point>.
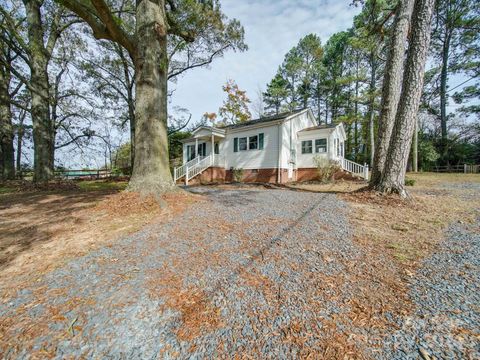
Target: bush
<point>237,174</point>
<point>326,168</point>
<point>409,182</point>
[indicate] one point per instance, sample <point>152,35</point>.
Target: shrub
<point>409,182</point>
<point>237,174</point>
<point>326,168</point>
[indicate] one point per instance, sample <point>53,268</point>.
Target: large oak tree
<point>147,46</point>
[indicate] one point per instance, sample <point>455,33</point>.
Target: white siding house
<point>270,149</point>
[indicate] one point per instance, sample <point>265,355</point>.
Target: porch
<point>200,152</point>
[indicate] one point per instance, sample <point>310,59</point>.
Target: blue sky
<point>272,27</point>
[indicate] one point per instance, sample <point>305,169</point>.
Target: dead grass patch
<point>339,186</point>
<point>42,230</point>
<point>410,229</point>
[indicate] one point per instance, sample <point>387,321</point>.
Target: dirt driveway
<point>243,273</point>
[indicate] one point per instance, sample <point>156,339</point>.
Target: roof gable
<point>263,120</point>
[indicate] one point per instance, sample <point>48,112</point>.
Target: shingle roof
<point>318,127</point>
<point>261,120</point>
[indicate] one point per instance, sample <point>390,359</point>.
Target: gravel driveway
<point>242,273</point>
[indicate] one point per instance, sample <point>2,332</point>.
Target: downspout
<point>291,150</point>
<point>279,152</point>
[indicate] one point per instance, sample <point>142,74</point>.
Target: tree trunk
<point>443,95</point>
<point>43,130</point>
<point>357,87</point>
<point>371,120</point>
<point>393,178</point>
<point>20,133</point>
<point>132,141</point>
<point>151,171</point>
<point>7,158</point>
<point>391,87</point>
<point>326,111</point>
<point>415,147</point>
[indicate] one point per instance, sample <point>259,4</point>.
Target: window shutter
<point>235,144</point>
<point>260,141</point>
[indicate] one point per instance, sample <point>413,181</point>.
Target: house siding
<point>290,128</point>
<point>306,160</point>
<point>281,150</point>
<point>266,158</point>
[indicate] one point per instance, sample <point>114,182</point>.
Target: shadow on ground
<point>33,218</point>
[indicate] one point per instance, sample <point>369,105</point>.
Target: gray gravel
<point>446,292</point>
<point>259,273</point>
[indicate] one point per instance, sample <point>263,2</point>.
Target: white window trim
<point>326,146</point>
<point>247,137</point>
<point>246,143</point>
<point>311,147</point>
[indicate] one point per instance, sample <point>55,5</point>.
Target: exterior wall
<point>256,175</point>
<point>311,174</point>
<point>266,158</point>
<point>307,174</point>
<point>221,175</point>
<point>306,160</point>
<point>289,139</point>
<point>260,159</point>
<point>200,141</point>
<point>279,140</point>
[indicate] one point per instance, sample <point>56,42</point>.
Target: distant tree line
<point>342,81</point>
<point>72,73</point>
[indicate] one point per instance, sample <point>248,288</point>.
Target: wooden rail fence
<point>461,168</point>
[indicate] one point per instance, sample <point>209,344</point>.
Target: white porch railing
<point>197,166</point>
<point>180,171</point>
<point>354,168</point>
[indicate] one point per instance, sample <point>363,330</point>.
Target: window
<point>307,147</point>
<point>242,143</point>
<point>253,142</point>
<point>321,145</point>
<point>216,149</point>
<point>202,149</point>
<point>260,141</point>
<point>190,152</point>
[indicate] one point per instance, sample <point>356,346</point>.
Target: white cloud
<point>271,29</point>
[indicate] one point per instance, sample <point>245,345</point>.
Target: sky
<point>272,27</point>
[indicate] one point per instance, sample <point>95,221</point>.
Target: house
<point>273,149</point>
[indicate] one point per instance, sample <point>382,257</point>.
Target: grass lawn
<point>6,189</point>
<point>95,185</point>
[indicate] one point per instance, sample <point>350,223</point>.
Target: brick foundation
<point>221,175</point>
<point>260,175</point>
<point>307,174</point>
<point>210,175</point>
<point>311,174</point>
